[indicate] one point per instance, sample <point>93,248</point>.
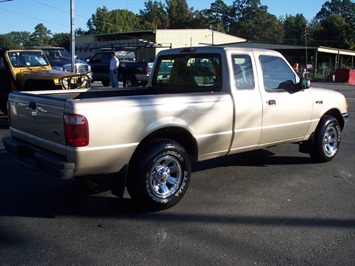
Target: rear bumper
<point>142,77</point>
<point>34,158</point>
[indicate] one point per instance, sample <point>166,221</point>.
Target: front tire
<point>326,140</point>
<point>159,176</point>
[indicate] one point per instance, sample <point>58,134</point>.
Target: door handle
<point>271,102</point>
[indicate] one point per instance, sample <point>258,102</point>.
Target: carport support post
<point>315,68</point>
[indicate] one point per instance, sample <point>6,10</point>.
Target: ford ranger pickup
<point>200,103</point>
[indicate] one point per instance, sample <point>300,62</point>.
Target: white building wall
<point>193,37</point>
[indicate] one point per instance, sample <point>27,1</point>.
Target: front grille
<point>78,68</point>
<point>81,68</point>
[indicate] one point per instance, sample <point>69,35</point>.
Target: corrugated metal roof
<point>321,49</point>
<point>269,46</point>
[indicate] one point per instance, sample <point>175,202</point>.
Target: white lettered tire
<point>159,175</point>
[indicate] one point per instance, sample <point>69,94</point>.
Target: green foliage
<point>333,25</point>
<point>104,21</point>
<point>6,42</point>
<point>218,16</point>
<point>41,36</point>
<point>61,39</point>
<point>18,38</point>
<point>154,16</point>
<point>253,22</point>
<point>180,15</point>
<point>294,27</point>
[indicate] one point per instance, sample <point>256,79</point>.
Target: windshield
<point>57,54</point>
<point>27,59</point>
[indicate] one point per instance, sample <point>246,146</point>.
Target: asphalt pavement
<point>268,207</point>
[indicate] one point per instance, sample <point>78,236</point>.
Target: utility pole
<point>72,35</point>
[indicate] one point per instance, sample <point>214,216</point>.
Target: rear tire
<point>106,83</point>
<point>159,176</point>
<point>326,140</point>
<point>130,81</point>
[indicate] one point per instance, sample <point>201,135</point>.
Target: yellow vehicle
<point>30,70</point>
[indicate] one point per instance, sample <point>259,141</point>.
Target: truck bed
<point>113,92</point>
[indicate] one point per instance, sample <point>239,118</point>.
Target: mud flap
<point>118,182</point>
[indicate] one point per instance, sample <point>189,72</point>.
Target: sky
<point>24,15</point>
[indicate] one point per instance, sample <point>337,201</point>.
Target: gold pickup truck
<point>29,70</point>
<point>200,103</point>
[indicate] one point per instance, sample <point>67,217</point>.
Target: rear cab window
<point>243,72</point>
<point>189,72</point>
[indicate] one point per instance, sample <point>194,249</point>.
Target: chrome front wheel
<point>330,141</point>
<point>326,139</point>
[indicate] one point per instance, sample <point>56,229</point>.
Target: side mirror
<point>305,83</point>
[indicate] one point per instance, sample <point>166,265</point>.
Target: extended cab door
<point>287,111</point>
<point>248,104</point>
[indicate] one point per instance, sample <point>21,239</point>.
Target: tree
<point>294,27</point>
<point>124,21</point>
<point>334,24</point>
<point>104,21</point>
<point>6,42</point>
<point>41,36</point>
<point>100,21</point>
<point>333,31</point>
<point>343,8</point>
<point>61,39</point>
<point>180,15</point>
<point>154,16</point>
<point>19,38</point>
<point>253,22</point>
<point>218,16</point>
<point>80,32</point>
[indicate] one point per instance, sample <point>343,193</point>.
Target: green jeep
<point>29,70</point>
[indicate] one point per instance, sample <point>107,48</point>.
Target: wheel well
<point>180,135</point>
<point>335,113</point>
<point>306,146</point>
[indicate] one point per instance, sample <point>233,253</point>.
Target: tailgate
<point>38,119</point>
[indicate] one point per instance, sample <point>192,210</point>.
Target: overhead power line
<point>58,9</point>
<point>40,19</point>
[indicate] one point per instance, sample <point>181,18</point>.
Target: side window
<point>243,72</point>
<point>277,75</point>
<point>106,57</point>
<point>96,58</point>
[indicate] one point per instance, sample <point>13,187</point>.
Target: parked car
<point>29,69</point>
<point>60,59</point>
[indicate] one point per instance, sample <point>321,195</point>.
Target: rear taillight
<point>146,69</point>
<point>76,130</point>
